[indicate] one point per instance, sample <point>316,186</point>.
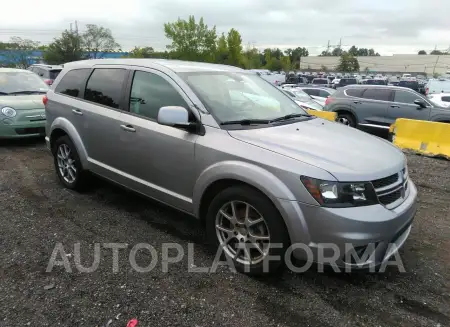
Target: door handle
<point>77,112</point>
<point>128,128</point>
<point>394,106</point>
<point>357,102</point>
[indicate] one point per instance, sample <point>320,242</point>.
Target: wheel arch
<point>61,127</point>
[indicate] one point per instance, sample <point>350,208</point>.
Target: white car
<point>301,98</point>
<point>441,99</point>
<point>319,94</point>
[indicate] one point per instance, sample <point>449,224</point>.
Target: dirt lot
<point>36,213</point>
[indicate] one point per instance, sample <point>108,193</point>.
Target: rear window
<point>355,92</point>
<point>54,73</point>
<point>377,94</point>
<point>348,81</point>
<point>446,98</point>
<point>409,84</point>
<point>72,83</point>
<point>105,86</point>
<point>375,82</point>
<point>320,81</point>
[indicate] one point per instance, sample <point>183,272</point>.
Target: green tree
<point>97,40</point>
<point>286,64</point>
<point>297,55</point>
<point>222,50</point>
<point>422,52</point>
<point>20,52</point>
<point>144,52</point>
<point>252,58</point>
<point>337,52</point>
<point>324,68</point>
<point>353,51</point>
<point>436,52</point>
<point>191,41</point>
<point>348,63</point>
<point>64,49</point>
<point>234,43</point>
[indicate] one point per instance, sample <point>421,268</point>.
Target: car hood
<point>345,152</point>
<point>22,102</point>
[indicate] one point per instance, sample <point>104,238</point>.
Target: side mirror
<point>420,103</point>
<point>173,116</point>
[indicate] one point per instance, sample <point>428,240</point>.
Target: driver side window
<point>405,97</point>
<point>150,92</point>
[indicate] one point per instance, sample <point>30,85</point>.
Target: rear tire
<point>346,119</point>
<point>68,165</point>
<point>247,226</point>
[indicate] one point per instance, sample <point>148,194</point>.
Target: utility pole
<point>328,47</point>
<point>70,27</point>
<point>435,64</point>
<point>76,27</point>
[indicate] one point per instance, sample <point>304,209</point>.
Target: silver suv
<point>229,148</point>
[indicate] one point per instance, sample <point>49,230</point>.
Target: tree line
<point>190,40</point>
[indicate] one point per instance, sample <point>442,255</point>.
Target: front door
<point>404,106</point>
<point>158,160</point>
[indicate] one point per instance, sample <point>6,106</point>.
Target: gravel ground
<point>36,213</point>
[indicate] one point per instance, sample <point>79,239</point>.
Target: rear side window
<point>377,94</point>
<point>72,82</point>
<point>446,99</point>
<point>323,94</point>
<point>355,92</point>
<point>150,92</point>
<point>105,86</point>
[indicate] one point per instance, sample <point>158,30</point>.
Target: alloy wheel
<point>344,121</point>
<point>66,163</point>
<point>242,232</point>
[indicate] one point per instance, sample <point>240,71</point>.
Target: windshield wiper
<point>290,116</point>
<point>246,122</point>
<point>27,92</point>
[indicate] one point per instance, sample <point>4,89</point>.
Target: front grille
<point>31,130</point>
<point>392,189</point>
<point>382,182</point>
<point>391,197</point>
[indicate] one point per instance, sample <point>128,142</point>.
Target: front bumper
<point>334,232</point>
<point>10,128</point>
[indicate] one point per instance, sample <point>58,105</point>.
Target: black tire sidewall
<point>349,117</point>
<point>274,221</point>
<point>78,184</point>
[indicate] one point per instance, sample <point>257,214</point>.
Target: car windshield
<point>232,96</point>
<point>348,81</point>
<point>19,82</point>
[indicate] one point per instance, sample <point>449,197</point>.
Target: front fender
<point>264,181</point>
<point>65,125</point>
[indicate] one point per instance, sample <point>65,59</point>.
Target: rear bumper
<point>10,129</point>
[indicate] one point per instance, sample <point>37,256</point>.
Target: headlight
<point>8,112</point>
<point>340,195</point>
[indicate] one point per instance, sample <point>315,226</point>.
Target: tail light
<point>426,91</point>
<point>328,101</point>
<point>45,100</point>
<point>48,81</point>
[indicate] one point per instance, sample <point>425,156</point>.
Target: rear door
<point>403,106</point>
<point>373,107</point>
<point>101,110</point>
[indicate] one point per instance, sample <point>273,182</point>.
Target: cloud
<point>386,25</point>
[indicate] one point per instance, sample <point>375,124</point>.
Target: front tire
<point>346,119</point>
<point>249,228</point>
<point>68,165</point>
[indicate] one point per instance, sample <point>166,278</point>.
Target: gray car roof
<point>177,66</point>
<point>368,86</point>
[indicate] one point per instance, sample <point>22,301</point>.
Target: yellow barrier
<point>328,115</point>
<point>428,138</point>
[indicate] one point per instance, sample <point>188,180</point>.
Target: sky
<point>388,26</point>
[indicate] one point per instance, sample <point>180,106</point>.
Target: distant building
<point>415,64</point>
